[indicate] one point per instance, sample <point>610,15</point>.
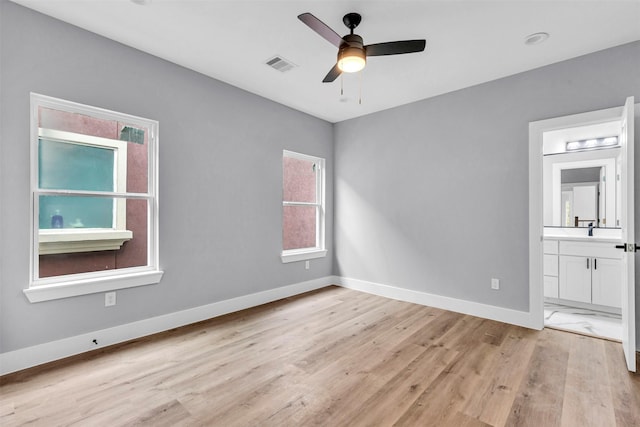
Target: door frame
<point>536,227</point>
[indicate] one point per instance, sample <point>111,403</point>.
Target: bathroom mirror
<point>581,189</point>
<point>582,200</point>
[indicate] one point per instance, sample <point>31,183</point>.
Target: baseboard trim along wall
<point>28,357</point>
<point>24,358</point>
<point>506,315</point>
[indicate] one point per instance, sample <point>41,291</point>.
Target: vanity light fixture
<point>587,144</point>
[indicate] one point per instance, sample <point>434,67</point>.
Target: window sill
<point>72,240</point>
<point>302,255</point>
<point>91,285</point>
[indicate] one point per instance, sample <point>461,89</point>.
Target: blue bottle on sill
<point>57,221</point>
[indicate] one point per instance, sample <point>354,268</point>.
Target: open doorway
<point>581,220</point>
<point>581,225</point>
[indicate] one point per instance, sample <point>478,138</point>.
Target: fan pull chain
<point>341,86</point>
<point>360,88</point>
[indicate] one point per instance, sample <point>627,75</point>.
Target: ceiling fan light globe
<point>351,64</point>
<point>351,60</point>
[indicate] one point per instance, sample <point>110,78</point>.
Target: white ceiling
<point>468,42</point>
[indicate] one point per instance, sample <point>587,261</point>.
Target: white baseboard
<point>506,315</point>
<point>42,353</point>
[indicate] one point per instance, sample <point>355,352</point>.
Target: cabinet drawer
<point>550,247</point>
<point>590,249</point>
<point>550,265</point>
<point>550,287</point>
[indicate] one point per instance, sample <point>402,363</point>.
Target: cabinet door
<point>575,278</point>
<point>550,287</point>
<point>550,265</point>
<point>607,281</point>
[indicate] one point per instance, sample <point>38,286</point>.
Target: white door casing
<point>536,229</point>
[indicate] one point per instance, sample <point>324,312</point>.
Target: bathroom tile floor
<point>590,322</point>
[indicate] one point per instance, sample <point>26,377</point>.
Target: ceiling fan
<point>352,52</point>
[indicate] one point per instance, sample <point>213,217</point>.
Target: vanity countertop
<point>581,238</point>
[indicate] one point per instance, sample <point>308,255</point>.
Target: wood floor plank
<point>437,328</point>
<point>493,399</point>
<point>334,357</point>
<point>169,414</point>
<point>394,397</point>
<point>587,398</point>
<point>360,370</point>
<point>314,405</point>
<point>458,419</point>
<point>624,387</point>
<point>540,397</point>
<point>449,391</point>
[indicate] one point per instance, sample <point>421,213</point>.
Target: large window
<point>94,200</point>
<point>302,207</point>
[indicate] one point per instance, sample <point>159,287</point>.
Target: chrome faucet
<point>590,229</point>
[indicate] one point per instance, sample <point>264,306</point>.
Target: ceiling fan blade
<point>332,74</point>
<point>395,48</point>
<point>321,28</point>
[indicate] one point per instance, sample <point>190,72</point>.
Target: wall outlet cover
<point>109,299</point>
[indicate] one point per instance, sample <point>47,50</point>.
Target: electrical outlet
<point>306,265</point>
<point>109,299</point>
<point>495,283</point>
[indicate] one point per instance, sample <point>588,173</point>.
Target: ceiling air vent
<point>280,64</point>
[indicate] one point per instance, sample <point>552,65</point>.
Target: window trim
<point>73,240</point>
<point>319,250</point>
<point>64,286</point>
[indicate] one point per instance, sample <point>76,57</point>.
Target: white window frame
<point>64,286</point>
<point>319,250</point>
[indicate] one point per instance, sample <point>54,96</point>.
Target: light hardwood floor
<point>334,357</point>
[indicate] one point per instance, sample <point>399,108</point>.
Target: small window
<point>69,161</point>
<point>94,200</point>
<point>303,208</point>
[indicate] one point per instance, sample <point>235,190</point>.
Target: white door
<point>628,237</point>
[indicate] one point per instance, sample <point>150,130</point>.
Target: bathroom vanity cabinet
<point>550,267</point>
<point>583,271</point>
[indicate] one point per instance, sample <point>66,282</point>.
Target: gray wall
<point>430,196</point>
<point>220,176</point>
<point>433,196</point>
